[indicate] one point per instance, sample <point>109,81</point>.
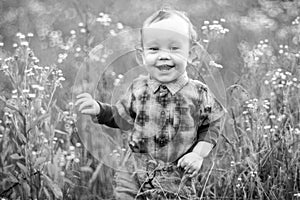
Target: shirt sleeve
<point>120,115</point>
<point>212,116</point>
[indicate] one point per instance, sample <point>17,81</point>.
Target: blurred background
<point>256,48</point>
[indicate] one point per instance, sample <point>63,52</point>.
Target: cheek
<point>150,58</point>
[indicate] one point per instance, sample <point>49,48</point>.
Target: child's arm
<point>101,113</point>
<point>207,139</point>
<point>207,134</point>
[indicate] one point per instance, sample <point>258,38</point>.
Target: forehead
<point>172,27</point>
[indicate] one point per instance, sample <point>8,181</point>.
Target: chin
<point>166,79</point>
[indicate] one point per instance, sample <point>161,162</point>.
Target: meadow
<point>50,51</point>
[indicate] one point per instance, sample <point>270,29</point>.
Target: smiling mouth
<point>165,67</point>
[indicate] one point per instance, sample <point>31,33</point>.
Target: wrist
<point>203,149</point>
<point>98,108</point>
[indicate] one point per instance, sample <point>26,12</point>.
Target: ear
<point>195,53</point>
<point>139,56</point>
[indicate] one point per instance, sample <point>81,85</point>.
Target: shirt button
<point>164,87</point>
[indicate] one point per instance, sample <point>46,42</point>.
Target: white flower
<point>32,95</point>
<point>73,32</point>
<point>24,43</point>
<point>120,25</point>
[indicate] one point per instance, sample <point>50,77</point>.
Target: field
<point>50,51</point>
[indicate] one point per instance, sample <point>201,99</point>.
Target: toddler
<point>172,120</point>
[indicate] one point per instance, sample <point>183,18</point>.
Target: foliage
<point>42,156</point>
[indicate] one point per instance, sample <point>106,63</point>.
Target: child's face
<point>166,48</point>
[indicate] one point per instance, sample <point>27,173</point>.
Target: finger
<point>85,104</point>
<point>79,101</point>
<point>189,168</point>
<point>90,111</point>
<point>195,173</point>
<point>87,95</point>
<point>179,162</point>
<point>183,163</point>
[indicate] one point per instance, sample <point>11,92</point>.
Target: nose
<point>164,55</point>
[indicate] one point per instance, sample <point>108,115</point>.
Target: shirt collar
<point>173,87</point>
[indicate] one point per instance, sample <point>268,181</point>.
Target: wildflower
<point>272,130</point>
<point>32,95</point>
<point>297,195</point>
<point>73,32</point>
<point>24,43</point>
<point>83,30</point>
<point>280,51</point>
<point>76,160</point>
<point>267,82</point>
<point>72,148</point>
<point>232,163</point>
<point>41,88</point>
<point>206,22</point>
<point>1,44</point>
<point>222,20</point>
<point>239,179</point>
<point>78,144</point>
<point>120,25</point>
<point>78,49</point>
<point>15,45</point>
<point>29,34</point>
<point>112,32</point>
<point>267,127</point>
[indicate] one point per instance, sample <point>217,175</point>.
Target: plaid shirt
<point>168,120</point>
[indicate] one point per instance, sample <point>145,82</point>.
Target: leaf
<point>22,167</point>
<point>47,193</point>
<point>66,180</point>
<point>38,120</point>
<point>39,161</point>
<point>26,188</point>
<point>16,156</point>
<point>53,186</point>
<point>12,178</point>
<point>86,169</point>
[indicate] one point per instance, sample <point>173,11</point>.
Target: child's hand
<point>191,163</point>
<point>87,105</point>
